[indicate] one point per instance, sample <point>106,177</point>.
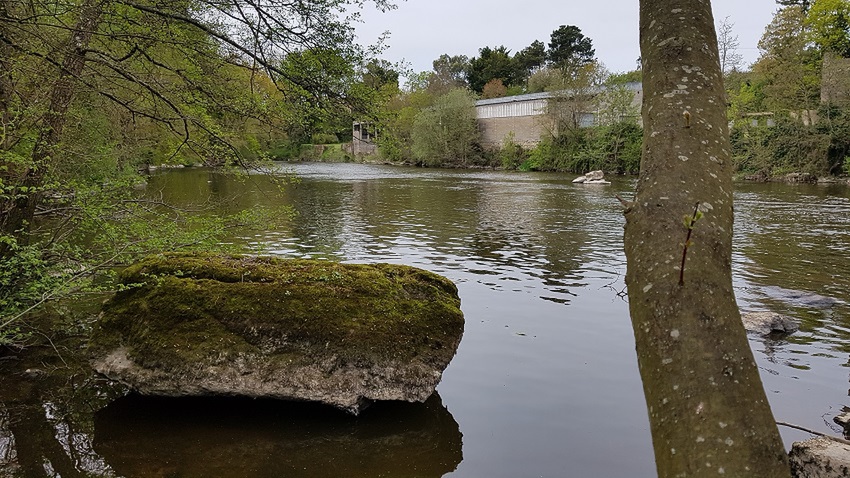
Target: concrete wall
<point>527,130</point>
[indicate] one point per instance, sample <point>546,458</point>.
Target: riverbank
<point>336,153</point>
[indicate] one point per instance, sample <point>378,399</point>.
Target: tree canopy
<point>829,26</point>
<point>568,46</point>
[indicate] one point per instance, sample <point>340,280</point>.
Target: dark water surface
<point>545,382</point>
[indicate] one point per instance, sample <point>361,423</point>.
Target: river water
<point>545,382</point>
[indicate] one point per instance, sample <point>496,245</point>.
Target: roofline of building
<point>634,86</point>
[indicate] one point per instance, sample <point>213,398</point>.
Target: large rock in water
<point>340,334</point>
<point>820,458</point>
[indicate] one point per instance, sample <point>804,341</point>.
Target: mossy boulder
<point>340,334</point>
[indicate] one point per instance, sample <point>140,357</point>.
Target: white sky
<point>422,30</point>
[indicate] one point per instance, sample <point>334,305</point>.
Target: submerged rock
<point>339,334</point>
<point>820,458</point>
<point>800,298</point>
<point>766,323</point>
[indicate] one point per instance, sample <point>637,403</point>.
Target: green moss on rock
<point>185,313</point>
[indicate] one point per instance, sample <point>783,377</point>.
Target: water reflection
<point>8,451</point>
<point>144,437</point>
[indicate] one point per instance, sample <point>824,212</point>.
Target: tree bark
<point>708,411</point>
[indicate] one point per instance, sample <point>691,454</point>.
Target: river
<point>545,382</point>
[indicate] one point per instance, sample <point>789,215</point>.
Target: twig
<point>690,225</point>
<point>798,427</point>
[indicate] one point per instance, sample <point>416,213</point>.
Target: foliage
<point>615,104</point>
<point>802,4</point>
<point>829,26</point>
<point>575,96</point>
<point>446,133</point>
<point>568,47</point>
<point>494,89</point>
<point>789,146</point>
<point>397,119</point>
<point>324,138</point>
<point>512,155</point>
<point>615,148</point>
<point>788,70</point>
<point>634,76</point>
<point>531,58</point>
<point>490,64</point>
<point>449,72</point>
<point>545,79</point>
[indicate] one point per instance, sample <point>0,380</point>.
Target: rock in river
<point>820,458</point>
<point>767,323</point>
<point>340,334</point>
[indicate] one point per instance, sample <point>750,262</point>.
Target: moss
<point>191,308</point>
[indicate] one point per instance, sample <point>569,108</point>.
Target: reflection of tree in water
<point>538,230</point>
<point>143,437</point>
<point>317,229</point>
<point>8,452</point>
<point>507,230</point>
<point>41,437</point>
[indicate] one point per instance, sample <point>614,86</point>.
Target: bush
<point>614,148</point>
<point>512,155</point>
<point>446,134</point>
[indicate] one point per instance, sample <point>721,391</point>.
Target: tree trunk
<point>18,213</point>
<point>708,411</point>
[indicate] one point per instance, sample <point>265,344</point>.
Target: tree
<point>490,64</point>
<point>569,47</point>
<point>494,89</point>
<point>576,96</point>
<point>788,69</point>
<point>73,45</point>
<point>446,133</point>
<point>803,4</point>
<point>531,58</point>
<point>451,70</point>
<point>379,74</point>
<point>708,412</point>
<point>397,117</point>
<point>829,26</point>
<point>727,43</point>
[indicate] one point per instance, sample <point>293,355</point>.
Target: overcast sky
<point>422,30</point>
